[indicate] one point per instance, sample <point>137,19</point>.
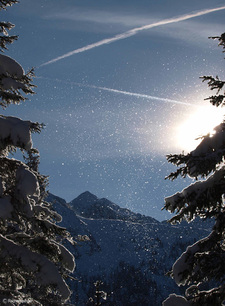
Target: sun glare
<point>198,123</point>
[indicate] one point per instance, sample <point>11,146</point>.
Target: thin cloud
<point>100,17</point>
<point>133,32</point>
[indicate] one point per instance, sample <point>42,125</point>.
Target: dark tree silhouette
<point>33,262</point>
<point>202,265</point>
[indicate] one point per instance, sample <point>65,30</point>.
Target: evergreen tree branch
<point>4,4</point>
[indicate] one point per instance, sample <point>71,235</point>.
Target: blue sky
<point>105,132</point>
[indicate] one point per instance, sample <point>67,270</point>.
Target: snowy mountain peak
<point>84,199</point>
<point>89,205</point>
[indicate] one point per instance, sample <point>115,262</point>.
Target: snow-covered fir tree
<point>202,266</point>
<point>33,262</point>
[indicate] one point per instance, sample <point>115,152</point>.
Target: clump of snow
<point>46,272</point>
<point>198,189</point>
<point>175,201</point>
<point>67,257</point>
<point>176,300</point>
<point>11,73</point>
<point>9,65</point>
<point>9,83</point>
<point>182,264</point>
<point>27,183</point>
<point>192,290</point>
<point>17,130</point>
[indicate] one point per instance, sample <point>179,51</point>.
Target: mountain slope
<point>130,253</point>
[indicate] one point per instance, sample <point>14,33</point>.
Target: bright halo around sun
<point>197,124</point>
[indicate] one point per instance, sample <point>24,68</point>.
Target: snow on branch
<point>16,132</point>
<point>12,80</point>
<point>67,259</point>
<point>27,183</point>
<point>20,185</point>
<point>176,300</point>
<point>195,263</point>
<point>203,198</point>
<point>11,67</point>
<point>46,273</point>
<point>34,264</point>
<point>202,264</point>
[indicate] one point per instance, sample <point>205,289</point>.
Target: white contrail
<point>128,93</point>
<point>133,32</point>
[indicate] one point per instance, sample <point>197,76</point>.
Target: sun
<point>198,123</point>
